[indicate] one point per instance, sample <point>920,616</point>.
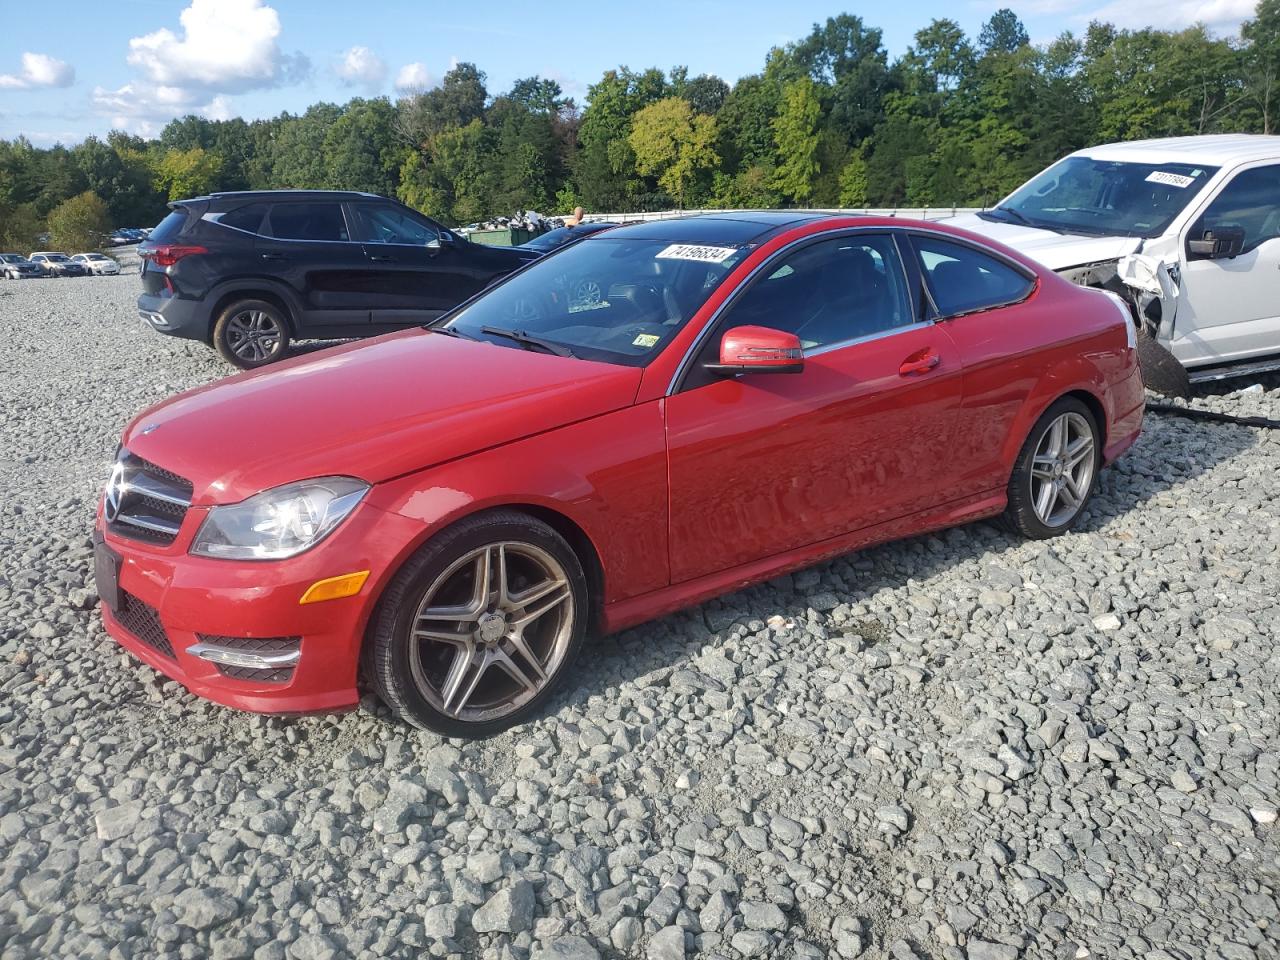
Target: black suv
<point>248,272</point>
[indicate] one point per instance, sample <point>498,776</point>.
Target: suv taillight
<point>167,254</point>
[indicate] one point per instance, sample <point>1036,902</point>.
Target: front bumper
<point>174,602</point>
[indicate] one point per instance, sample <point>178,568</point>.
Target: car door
<point>765,463</point>
<point>307,243</point>
<point>1229,308</point>
<point>414,269</point>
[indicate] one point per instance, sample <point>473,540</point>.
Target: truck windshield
<point>1105,197</point>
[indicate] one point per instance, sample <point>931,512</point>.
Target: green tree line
<point>829,120</point>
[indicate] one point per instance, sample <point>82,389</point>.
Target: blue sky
<point>93,65</point>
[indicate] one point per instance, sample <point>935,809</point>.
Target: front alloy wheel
<point>474,633</point>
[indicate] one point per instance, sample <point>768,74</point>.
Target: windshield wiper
<point>450,332</point>
<point>1026,221</point>
<point>1017,215</point>
<point>527,340</point>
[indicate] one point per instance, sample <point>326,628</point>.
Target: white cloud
<point>143,110</point>
<point>39,70</point>
<point>361,67</point>
<point>225,47</point>
<point>1220,16</point>
<point>413,77</point>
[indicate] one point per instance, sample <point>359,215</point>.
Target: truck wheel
<point>1161,370</point>
<point>251,333</point>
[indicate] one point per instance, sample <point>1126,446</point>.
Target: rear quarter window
<point>962,279</point>
<point>170,227</point>
<point>247,218</point>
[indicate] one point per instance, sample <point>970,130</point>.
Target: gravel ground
<point>960,746</point>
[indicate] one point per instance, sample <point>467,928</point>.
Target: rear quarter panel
<point>1020,359</point>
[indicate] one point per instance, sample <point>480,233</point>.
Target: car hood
<point>375,410</point>
<point>1057,251</point>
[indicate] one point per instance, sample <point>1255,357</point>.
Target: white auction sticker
<point>693,251</point>
<point>1170,179</point>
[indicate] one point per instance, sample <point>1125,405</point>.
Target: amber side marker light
<point>335,588</point>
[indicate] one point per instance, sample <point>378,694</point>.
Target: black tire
<point>1161,370</point>
<point>251,333</point>
<point>1025,513</point>
<point>412,675</point>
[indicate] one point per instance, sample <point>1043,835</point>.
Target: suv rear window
<point>169,228</point>
<point>308,221</point>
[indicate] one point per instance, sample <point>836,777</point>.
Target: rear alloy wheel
<point>476,630</point>
<point>1056,471</point>
<point>251,333</point>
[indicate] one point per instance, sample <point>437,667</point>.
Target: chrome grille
<point>144,501</point>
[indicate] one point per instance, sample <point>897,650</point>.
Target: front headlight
<point>278,523</point>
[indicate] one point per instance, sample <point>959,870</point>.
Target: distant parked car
<point>14,266</point>
<point>249,272</point>
<point>59,264</point>
<point>544,243</point>
<point>126,235</point>
<point>98,264</point>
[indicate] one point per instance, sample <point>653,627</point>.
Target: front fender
<point>607,476</point>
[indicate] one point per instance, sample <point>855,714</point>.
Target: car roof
<point>1216,150</point>
<point>732,226</point>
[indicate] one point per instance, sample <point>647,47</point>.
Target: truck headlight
<point>278,523</point>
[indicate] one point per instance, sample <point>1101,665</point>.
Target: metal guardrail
<point>912,213</point>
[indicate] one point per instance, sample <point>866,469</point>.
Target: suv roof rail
<point>292,192</point>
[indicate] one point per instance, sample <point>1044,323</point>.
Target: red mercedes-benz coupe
<point>645,419</point>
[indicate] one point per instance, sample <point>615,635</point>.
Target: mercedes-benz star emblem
<point>114,492</point>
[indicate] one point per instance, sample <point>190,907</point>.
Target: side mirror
<point>1217,243</point>
<point>443,239</point>
<point>758,350</point>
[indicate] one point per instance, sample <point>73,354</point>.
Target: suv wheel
<point>251,333</point>
<point>479,626</point>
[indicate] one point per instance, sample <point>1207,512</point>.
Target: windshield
<point>10,258</point>
<point>549,240</point>
<point>57,257</point>
<point>609,298</point>
<point>1105,197</point>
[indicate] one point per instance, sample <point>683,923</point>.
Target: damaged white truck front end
<point>1185,230</point>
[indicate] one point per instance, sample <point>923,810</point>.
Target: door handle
<point>381,258</point>
<point>922,361</point>
<point>274,256</point>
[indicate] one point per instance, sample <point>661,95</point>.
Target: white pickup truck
<point>1186,230</point>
